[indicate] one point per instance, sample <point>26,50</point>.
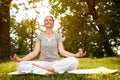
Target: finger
<point>80,50</point>
<point>80,54</point>
<point>85,53</point>
<point>14,56</point>
<point>11,58</point>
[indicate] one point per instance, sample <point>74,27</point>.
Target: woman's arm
<point>69,54</point>
<point>28,56</point>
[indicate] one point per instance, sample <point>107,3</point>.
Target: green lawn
<point>112,63</point>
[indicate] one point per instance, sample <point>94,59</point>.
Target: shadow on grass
<point>65,76</point>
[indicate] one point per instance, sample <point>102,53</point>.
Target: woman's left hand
<point>15,58</point>
<point>80,53</point>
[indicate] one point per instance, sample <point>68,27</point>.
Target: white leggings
<point>60,67</point>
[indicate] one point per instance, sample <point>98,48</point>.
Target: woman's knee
<point>73,60</point>
<point>73,63</point>
<point>24,66</point>
<point>20,64</point>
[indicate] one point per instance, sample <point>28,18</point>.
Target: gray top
<point>49,48</point>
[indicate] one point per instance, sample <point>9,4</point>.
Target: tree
<point>24,30</point>
<point>4,29</point>
<point>22,35</point>
<point>105,41</point>
<point>89,24</point>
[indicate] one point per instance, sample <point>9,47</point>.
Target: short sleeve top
<point>49,47</point>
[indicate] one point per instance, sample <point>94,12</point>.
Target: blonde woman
<point>48,44</point>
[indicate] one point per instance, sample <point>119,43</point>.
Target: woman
<point>48,44</point>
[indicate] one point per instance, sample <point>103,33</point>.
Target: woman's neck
<point>49,32</point>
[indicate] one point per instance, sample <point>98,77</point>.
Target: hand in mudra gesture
<point>15,58</point>
<point>80,53</point>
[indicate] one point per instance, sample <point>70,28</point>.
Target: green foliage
<point>94,28</point>
<point>23,35</point>
<point>24,31</point>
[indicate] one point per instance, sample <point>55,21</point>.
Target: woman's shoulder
<point>58,33</point>
<point>40,34</point>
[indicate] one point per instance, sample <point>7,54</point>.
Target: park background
<point>93,25</point>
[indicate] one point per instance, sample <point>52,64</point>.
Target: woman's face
<point>48,22</point>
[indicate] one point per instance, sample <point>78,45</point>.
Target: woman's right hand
<point>15,58</point>
<point>80,53</point>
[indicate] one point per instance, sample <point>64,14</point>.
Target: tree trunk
<point>33,21</point>
<point>31,46</point>
<point>93,12</point>
<point>4,30</point>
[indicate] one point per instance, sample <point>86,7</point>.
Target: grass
<point>112,63</point>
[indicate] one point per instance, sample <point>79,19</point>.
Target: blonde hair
<point>49,16</point>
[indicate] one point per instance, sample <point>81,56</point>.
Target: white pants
<point>60,67</point>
